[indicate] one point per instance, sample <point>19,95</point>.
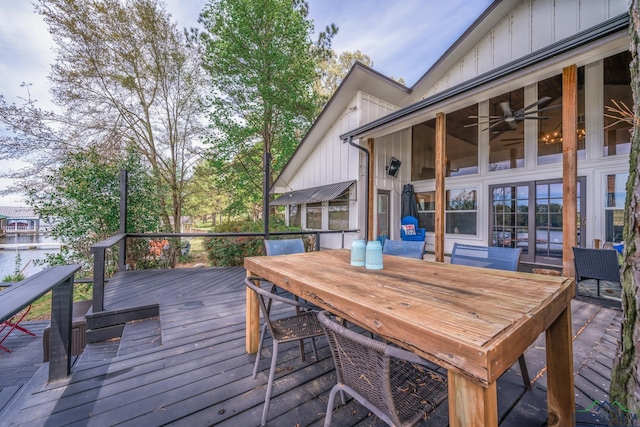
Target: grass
<point>41,308</point>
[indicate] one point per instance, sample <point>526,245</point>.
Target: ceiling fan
<point>513,117</point>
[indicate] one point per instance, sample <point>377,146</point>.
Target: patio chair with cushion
<point>597,264</point>
<point>299,326</point>
<point>407,249</point>
<point>395,384</point>
<point>409,229</point>
<point>499,258</point>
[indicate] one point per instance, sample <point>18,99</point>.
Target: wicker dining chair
<point>299,326</point>
<point>394,384</point>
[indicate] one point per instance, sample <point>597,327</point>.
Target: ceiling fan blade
<point>551,107</point>
<point>531,118</point>
<point>490,121</point>
<point>538,102</point>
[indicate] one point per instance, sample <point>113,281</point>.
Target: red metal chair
<point>14,323</point>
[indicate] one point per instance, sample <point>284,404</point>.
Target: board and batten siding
<point>334,161</point>
<point>531,26</point>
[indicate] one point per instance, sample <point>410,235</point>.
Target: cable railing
<point>99,251</point>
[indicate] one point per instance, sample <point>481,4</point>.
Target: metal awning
<point>312,195</point>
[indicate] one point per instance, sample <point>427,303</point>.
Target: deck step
<point>139,335</point>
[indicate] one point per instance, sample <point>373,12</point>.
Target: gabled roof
<point>18,212</point>
<point>359,78</point>
<point>619,24</point>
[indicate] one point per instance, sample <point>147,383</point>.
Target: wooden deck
<point>189,367</point>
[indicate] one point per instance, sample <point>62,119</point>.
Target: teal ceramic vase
<point>358,253</point>
<point>373,257</point>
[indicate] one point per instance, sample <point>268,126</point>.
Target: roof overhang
<point>360,78</point>
<point>313,195</point>
<point>584,39</point>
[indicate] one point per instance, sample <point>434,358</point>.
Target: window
<point>462,143</point>
<point>617,88</point>
<point>461,211</point>
<point>550,128</point>
<point>339,212</point>
<point>294,215</point>
<point>314,216</point>
<point>506,139</point>
<point>426,210</point>
<point>614,210</point>
<point>423,147</point>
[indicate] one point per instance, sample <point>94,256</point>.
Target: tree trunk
<point>625,377</point>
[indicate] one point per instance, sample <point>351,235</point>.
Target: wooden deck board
<point>194,370</point>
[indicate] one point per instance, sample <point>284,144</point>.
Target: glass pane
<point>426,201</point>
<point>383,214</point>
<point>614,224</point>
<point>550,129</point>
<point>461,143</point>
<point>294,216</point>
<point>522,239</point>
<point>461,222</point>
<point>616,190</point>
<point>314,216</point>
<point>338,215</point>
<point>617,90</point>
<point>427,220</point>
<point>461,199</point>
<point>506,138</point>
<point>423,147</point>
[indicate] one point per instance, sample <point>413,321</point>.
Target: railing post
<point>60,336</point>
<point>98,278</point>
<point>317,241</point>
<point>122,246</point>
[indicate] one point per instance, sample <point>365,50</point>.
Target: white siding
<point>532,25</point>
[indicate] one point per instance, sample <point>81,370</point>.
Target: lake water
<point>27,256</point>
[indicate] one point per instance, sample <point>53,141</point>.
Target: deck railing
<point>59,280</point>
<point>99,251</point>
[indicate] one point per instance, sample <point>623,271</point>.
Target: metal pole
<point>265,199</point>
<point>122,247</point>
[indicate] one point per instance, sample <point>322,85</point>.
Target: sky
<point>403,38</point>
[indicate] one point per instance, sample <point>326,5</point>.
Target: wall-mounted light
<point>393,167</point>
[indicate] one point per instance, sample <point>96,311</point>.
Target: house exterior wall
<point>333,161</point>
<point>531,26</point>
<point>593,167</point>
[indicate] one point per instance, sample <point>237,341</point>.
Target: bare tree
<point>123,76</point>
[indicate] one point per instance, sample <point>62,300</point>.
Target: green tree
<point>82,199</point>
<point>625,376</point>
<point>123,76</point>
<point>335,69</point>
<point>263,65</point>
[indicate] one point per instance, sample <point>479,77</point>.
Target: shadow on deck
<point>188,366</point>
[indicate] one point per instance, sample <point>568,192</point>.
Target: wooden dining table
<point>475,322</point>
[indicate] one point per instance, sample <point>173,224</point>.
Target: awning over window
<point>312,195</point>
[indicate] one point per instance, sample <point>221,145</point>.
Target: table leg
<point>560,391</point>
<point>252,328</point>
<point>471,404</point>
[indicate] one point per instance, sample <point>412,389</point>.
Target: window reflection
<point>461,143</point>
<point>617,87</point>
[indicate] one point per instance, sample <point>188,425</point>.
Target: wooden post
<point>560,393</point>
<point>252,319</point>
<point>569,167</point>
<point>471,404</point>
<point>370,195</point>
<point>441,134</point>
